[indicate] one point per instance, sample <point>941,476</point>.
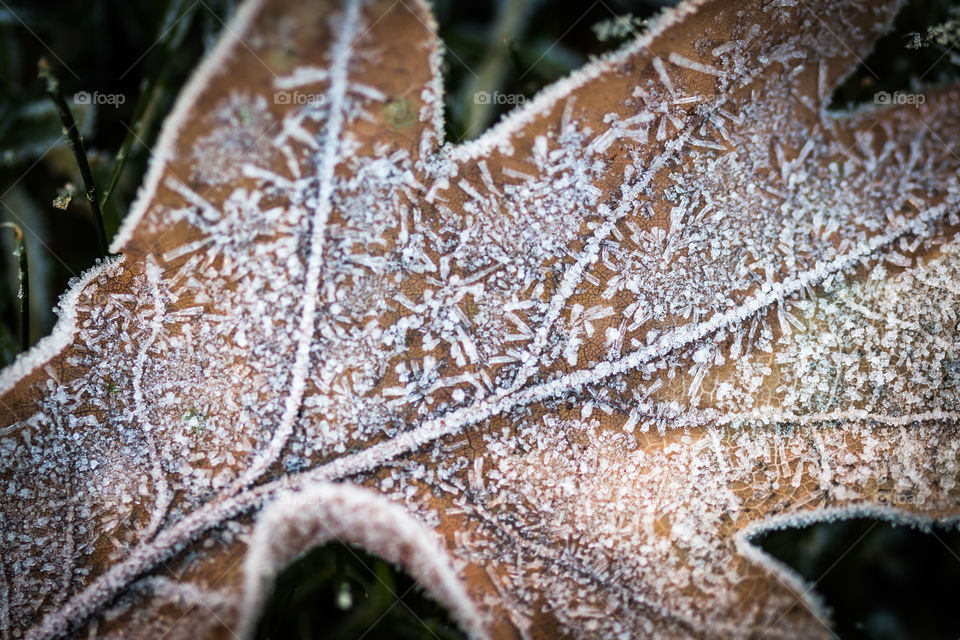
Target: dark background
<point>880,581</point>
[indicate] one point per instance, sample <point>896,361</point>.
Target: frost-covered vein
<point>329,156</point>
<point>591,252</point>
<point>173,539</point>
<point>453,422</point>
<point>167,542</point>
<point>139,406</point>
<point>144,557</point>
<point>771,293</point>
<point>693,418</point>
<point>575,273</point>
<point>170,540</point>
<point>567,563</point>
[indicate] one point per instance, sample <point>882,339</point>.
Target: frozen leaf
<point>562,373</point>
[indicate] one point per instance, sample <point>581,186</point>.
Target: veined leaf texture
<point>561,373</point>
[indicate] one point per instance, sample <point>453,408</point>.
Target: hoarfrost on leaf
<point>562,373</point>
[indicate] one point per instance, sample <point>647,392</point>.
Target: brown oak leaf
<point>561,373</point>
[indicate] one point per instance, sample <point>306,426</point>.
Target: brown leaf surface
<point>562,373</point>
